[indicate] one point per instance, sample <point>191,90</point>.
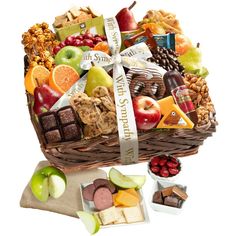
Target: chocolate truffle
<point>66,115</point>
<point>171,201</point>
<point>71,132</point>
<point>157,197</point>
<point>48,121</point>
<point>53,136</point>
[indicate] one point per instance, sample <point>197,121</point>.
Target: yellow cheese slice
<point>175,118</point>
<point>165,104</point>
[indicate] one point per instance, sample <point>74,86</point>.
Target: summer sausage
<point>104,183</point>
<point>88,192</point>
<point>102,198</point>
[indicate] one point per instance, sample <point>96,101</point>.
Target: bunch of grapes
<point>86,39</point>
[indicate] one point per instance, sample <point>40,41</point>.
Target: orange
<point>62,77</point>
<point>155,28</point>
<point>182,44</point>
<point>36,76</point>
<point>102,46</point>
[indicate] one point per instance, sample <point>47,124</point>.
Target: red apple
<point>147,112</point>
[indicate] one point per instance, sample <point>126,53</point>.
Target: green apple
<point>97,76</point>
<point>139,180</point>
<point>90,221</point>
<point>71,56</point>
<point>48,181</point>
<point>120,180</point>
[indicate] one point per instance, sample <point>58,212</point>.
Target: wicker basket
<point>104,151</point>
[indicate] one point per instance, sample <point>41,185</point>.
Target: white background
<point>209,175</point>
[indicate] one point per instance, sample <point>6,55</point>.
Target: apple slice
<point>56,186</point>
<point>138,179</point>
<point>90,221</point>
<point>120,180</point>
<point>48,181</point>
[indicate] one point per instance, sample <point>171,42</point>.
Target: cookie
<point>91,131</point>
<point>108,103</point>
<point>107,122</point>
<point>100,91</point>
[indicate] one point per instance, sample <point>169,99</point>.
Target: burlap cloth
<point>70,201</point>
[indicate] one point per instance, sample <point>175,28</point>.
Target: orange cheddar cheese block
<point>175,118</point>
<point>126,199</point>
<point>165,104</point>
<point>133,192</point>
<point>115,203</point>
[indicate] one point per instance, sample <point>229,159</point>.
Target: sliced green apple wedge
<point>56,185</point>
<point>90,221</point>
<point>120,180</point>
<point>138,179</point>
<point>48,181</point>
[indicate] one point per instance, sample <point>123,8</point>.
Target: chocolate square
<point>66,115</point>
<point>53,136</point>
<point>157,197</point>
<point>171,201</point>
<point>71,132</point>
<point>48,121</point>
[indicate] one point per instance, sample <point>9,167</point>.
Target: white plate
<point>88,206</point>
<point>158,185</point>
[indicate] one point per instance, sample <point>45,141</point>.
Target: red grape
<point>88,36</point>
<point>56,49</point>
<point>80,37</point>
<point>78,43</point>
<point>70,40</point>
<point>62,44</point>
<point>88,42</point>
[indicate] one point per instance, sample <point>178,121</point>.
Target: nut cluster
<point>39,42</point>
<point>199,93</point>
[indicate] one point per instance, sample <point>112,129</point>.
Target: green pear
<point>97,76</point>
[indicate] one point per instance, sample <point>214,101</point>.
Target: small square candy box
<point>159,185</point>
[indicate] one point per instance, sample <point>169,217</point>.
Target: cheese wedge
<point>175,118</point>
<point>165,104</point>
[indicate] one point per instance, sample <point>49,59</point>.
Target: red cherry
<point>173,171</point>
<point>155,169</point>
<point>56,49</point>
<point>155,161</point>
<point>164,172</point>
<point>175,160</point>
<point>163,161</point>
<point>172,164</point>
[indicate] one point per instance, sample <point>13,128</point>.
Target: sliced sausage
<point>88,192</point>
<point>104,183</point>
<point>102,198</point>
